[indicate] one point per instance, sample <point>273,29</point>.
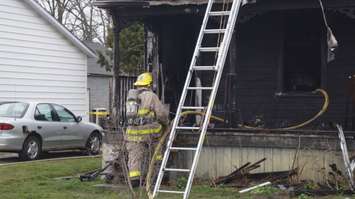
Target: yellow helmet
<point>144,79</point>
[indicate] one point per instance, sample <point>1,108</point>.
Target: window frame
<point>24,111</point>
<point>280,91</point>
<point>55,112</point>
<point>67,110</point>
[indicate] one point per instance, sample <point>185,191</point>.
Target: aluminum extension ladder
<point>221,54</point>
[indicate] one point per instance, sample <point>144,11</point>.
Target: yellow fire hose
<point>323,110</point>
<point>167,131</point>
<point>160,145</point>
<point>185,113</point>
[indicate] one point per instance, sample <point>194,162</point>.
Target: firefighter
<point>146,118</point>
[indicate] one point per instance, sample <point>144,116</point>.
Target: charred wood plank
<point>239,172</point>
<point>226,179</point>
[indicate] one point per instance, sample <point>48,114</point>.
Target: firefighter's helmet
<point>144,79</point>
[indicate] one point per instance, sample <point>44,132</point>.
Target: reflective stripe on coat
<point>150,108</point>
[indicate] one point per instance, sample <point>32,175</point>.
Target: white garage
<point>40,60</point>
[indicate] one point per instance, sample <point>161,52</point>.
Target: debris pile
<point>114,160</point>
<point>241,177</point>
<point>336,181</point>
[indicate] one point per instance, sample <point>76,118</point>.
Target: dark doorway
<point>302,50</point>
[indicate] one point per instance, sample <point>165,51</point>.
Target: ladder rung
<point>214,31</point>
<point>182,149</point>
<point>219,13</point>
<point>205,68</point>
<point>209,49</point>
<point>220,50</point>
<point>199,88</point>
<point>187,128</point>
<point>177,170</point>
<point>193,107</point>
<point>167,191</point>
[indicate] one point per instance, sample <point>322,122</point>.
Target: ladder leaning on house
<point>220,49</point>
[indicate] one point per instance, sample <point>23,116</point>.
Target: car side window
<point>44,112</point>
<point>64,114</point>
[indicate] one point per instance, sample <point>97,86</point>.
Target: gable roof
<point>51,20</point>
<point>93,67</point>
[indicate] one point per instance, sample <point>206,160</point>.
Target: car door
<point>71,134</point>
<point>48,126</point>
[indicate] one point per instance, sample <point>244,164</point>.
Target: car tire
<point>93,144</point>
<point>32,149</point>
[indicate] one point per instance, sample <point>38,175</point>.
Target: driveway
<point>8,158</point>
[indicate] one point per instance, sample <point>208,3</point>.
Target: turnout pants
<point>141,143</point>
<point>139,157</point>
<point>136,152</point>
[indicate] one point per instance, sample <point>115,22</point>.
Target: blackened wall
<point>259,63</point>
<point>178,36</point>
<point>259,56</point>
<point>341,69</point>
<point>259,44</point>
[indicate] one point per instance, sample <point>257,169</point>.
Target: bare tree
<point>81,17</point>
<point>56,8</point>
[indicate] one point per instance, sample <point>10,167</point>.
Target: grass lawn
<point>36,180</point>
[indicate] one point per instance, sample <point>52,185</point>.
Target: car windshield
<point>13,109</point>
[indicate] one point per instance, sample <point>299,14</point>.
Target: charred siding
<point>258,60</point>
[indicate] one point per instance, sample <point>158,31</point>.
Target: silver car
<point>30,128</point>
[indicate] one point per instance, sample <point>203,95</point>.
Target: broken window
<point>304,40</point>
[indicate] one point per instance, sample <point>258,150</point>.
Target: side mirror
<point>79,119</point>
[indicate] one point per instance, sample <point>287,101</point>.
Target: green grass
<point>36,180</point>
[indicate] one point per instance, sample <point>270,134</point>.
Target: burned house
<point>278,57</point>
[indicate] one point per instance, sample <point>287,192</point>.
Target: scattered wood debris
<point>255,187</point>
<point>239,173</point>
<point>241,177</point>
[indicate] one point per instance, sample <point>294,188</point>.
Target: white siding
<point>38,63</point>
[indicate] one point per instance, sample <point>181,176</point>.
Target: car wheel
<point>31,149</point>
<point>93,145</point>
